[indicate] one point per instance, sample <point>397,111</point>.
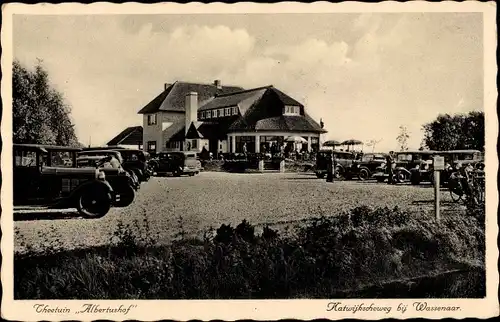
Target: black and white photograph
<point>339,158</point>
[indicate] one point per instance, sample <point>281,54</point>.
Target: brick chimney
<point>191,109</point>
<point>218,84</point>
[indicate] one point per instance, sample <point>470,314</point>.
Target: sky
<point>363,74</point>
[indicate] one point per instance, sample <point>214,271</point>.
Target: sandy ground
<point>194,204</point>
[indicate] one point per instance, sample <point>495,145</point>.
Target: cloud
<point>376,73</point>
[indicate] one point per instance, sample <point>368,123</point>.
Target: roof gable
<point>193,133</point>
<point>130,136</point>
<point>287,100</point>
<point>154,105</point>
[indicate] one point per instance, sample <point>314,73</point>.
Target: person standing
<point>329,168</point>
<point>245,149</point>
<point>334,165</point>
<point>390,169</point>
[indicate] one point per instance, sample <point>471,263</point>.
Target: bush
<point>330,255</point>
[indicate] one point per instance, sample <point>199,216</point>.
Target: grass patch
<point>364,252</point>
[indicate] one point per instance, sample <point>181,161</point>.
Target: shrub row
<point>325,257</point>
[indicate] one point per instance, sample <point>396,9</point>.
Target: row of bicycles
<point>468,187</point>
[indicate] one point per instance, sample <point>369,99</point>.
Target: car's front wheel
<point>339,172</point>
<point>94,203</point>
<point>401,177</point>
<point>364,174</point>
<point>127,196</point>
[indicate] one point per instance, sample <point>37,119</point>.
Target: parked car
<point>344,159</point>
<point>123,184</point>
<point>408,163</point>
<point>176,163</point>
<point>464,157</point>
<point>43,178</point>
<point>133,160</point>
<point>95,154</point>
<point>367,164</point>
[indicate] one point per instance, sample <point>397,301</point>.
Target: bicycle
<point>474,194</point>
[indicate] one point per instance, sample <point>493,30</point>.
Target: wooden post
<point>438,165</point>
<point>437,194</point>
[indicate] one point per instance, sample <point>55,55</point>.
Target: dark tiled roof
<point>130,136</point>
<point>154,105</point>
<point>234,99</point>
<point>218,129</point>
<point>291,123</point>
<point>193,133</point>
<point>173,98</point>
<point>179,135</point>
<point>205,130</point>
<point>287,100</point>
<point>173,129</point>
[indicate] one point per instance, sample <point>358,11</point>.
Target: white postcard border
<point>148,310</point>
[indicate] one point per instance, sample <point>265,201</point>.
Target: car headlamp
<point>417,166</point>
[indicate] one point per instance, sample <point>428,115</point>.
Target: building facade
<point>222,119</point>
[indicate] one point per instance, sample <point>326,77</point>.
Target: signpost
<point>438,165</point>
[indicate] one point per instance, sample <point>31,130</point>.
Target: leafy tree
<point>39,112</point>
<point>373,143</point>
<point>455,132</point>
<point>402,138</point>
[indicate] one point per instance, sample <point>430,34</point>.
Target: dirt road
<point>193,204</point>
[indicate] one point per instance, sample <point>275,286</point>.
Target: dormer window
<point>152,119</point>
<point>291,110</point>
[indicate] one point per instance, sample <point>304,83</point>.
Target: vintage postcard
<point>249,161</point>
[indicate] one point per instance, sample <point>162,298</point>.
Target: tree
<point>402,138</point>
<point>39,112</point>
<point>455,132</point>
<point>373,143</point>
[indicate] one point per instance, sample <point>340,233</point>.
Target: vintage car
<point>366,164</point>
<point>344,162</point>
<point>42,177</point>
<point>408,163</point>
<point>123,184</point>
<point>133,160</point>
<point>176,163</point>
<point>464,157</point>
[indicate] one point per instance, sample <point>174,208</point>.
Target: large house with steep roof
<point>221,119</point>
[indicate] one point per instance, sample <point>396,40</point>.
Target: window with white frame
<point>214,113</point>
<point>291,110</point>
<point>194,144</point>
<point>227,111</point>
<point>219,112</point>
<point>152,146</point>
<point>235,110</point>
<point>152,119</point>
<point>173,145</point>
